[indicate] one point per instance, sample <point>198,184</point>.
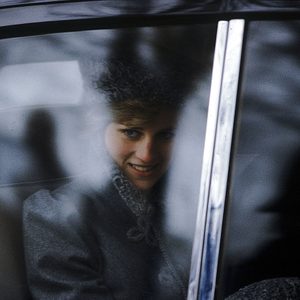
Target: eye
<point>167,135</point>
<point>131,133</point>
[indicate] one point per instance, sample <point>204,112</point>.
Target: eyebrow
<point>128,126</point>
<point>131,127</point>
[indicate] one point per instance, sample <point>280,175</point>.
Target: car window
<point>53,113</point>
<point>261,239</point>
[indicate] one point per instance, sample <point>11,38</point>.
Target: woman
<point>108,241</point>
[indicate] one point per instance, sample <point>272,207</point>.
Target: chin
<point>144,186</point>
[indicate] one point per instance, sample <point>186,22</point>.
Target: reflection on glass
<point>103,130</point>
<point>262,234</point>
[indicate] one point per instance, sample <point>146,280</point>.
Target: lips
<point>143,169</point>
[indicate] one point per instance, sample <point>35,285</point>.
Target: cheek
<point>166,152</point>
<point>116,148</point>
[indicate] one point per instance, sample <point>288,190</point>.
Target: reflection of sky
<point>39,84</point>
<point>25,87</point>
<point>184,179</point>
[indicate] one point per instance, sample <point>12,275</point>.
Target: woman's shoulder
<point>44,198</point>
<point>57,224</point>
<point>68,201</point>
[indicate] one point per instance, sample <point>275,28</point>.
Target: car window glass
<point>51,133</point>
<point>261,239</point>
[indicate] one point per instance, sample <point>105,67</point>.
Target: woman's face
<point>142,152</point>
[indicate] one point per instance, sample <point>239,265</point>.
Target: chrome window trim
<point>216,157</point>
<point>209,143</point>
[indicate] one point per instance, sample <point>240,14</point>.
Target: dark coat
<point>86,244</point>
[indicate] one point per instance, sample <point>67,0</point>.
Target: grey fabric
<point>77,247</point>
<point>275,289</point>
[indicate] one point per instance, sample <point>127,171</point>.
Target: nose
<point>146,150</point>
